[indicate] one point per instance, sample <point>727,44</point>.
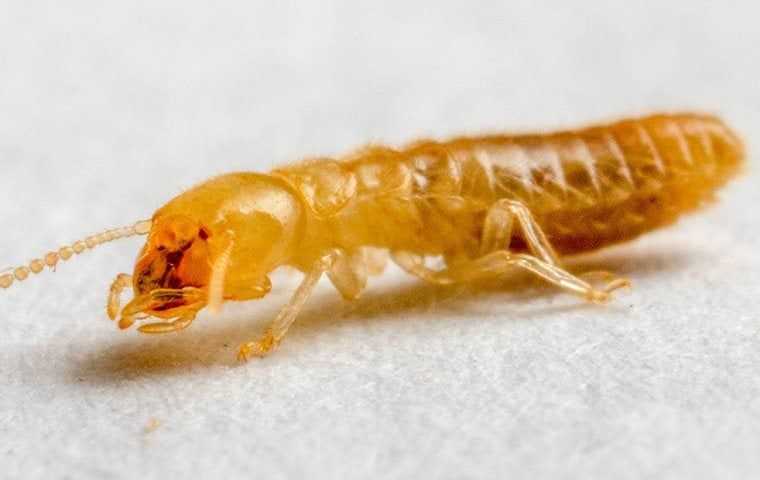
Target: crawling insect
<point>486,205</point>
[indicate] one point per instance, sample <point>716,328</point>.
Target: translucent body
<point>586,189</point>
<point>486,204</point>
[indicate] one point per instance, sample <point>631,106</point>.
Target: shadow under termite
<point>214,341</point>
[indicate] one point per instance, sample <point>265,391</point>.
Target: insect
<point>485,205</point>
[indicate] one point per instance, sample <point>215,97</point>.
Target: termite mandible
<point>487,205</point>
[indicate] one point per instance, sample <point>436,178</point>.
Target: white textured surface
<point>106,112</point>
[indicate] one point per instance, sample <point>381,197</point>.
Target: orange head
<point>216,242</point>
<point>170,277</point>
<point>175,256</point>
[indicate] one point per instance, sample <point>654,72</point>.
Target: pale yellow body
<point>586,189</point>
<point>486,204</point>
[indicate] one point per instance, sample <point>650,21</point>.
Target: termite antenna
<point>51,259</point>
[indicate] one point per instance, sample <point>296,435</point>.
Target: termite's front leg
<point>335,264</point>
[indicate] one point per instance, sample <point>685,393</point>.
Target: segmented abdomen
<point>592,187</point>
<point>587,188</point>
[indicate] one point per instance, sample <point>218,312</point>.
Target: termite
<point>487,205</point>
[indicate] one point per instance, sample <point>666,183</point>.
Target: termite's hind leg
<point>500,262</point>
<point>495,258</point>
<point>611,281</point>
<point>497,263</point>
<point>279,327</point>
<point>497,230</point>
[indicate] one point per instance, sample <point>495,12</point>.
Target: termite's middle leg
<point>347,273</point>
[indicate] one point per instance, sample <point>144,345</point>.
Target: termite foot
<point>260,348</point>
<point>603,296</point>
<point>617,284</point>
<point>603,275</point>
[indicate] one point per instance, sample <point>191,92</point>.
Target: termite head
<point>175,256</point>
<point>171,275</point>
<point>215,242</point>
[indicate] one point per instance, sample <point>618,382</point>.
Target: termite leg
<point>279,327</point>
<point>374,260</point>
<point>348,273</point>
<point>496,260</point>
<point>500,262</point>
<point>497,235</point>
<point>604,276</point>
<point>121,282</point>
<point>497,230</point>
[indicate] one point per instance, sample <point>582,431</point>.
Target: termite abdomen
<point>644,174</point>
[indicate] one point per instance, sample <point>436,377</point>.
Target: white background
<point>108,109</point>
